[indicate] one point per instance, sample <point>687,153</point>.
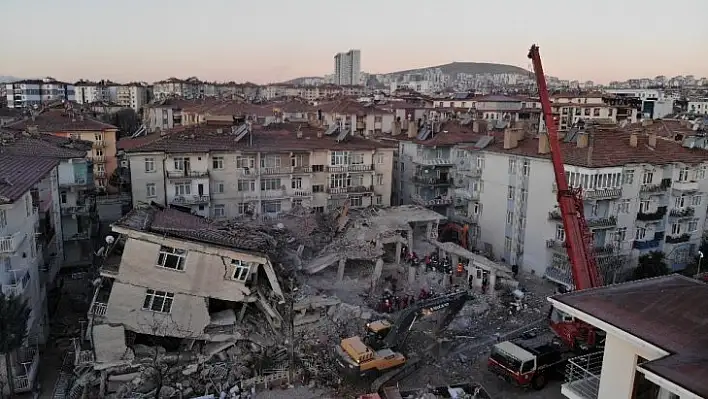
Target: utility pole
<point>291,375</point>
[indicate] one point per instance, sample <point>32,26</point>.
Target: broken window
<point>171,258</point>
<point>150,190</point>
<point>640,233</point>
<point>317,188</point>
<point>241,270</point>
<point>379,200</point>
<point>271,207</point>
<point>158,301</point>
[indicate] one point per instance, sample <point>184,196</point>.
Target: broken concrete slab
<point>223,318</point>
<point>109,344</point>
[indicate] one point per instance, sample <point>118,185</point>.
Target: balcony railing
<point>658,215</point>
<point>432,181</point>
<point>350,168</point>
<point>682,213</point>
<point>649,244</point>
<point>656,188</point>
<point>301,193</point>
<point>275,170</point>
<point>301,169</point>
<point>441,201</point>
<point>351,190</point>
<point>191,200</point>
<point>462,217</point>
<point>98,309</point>
<point>677,239</point>
<point>471,172</point>
<point>186,174</point>
<point>433,161</point>
<point>685,186</point>
<point>582,376</point>
<point>18,284</point>
<point>604,193</point>
<point>279,193</point>
<point>605,222</point>
<point>76,210</point>
<point>99,174</point>
<point>99,144</point>
<point>76,182</point>
<point>9,244</point>
<point>98,158</point>
<point>28,357</point>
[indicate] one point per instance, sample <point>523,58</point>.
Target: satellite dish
<point>110,240</point>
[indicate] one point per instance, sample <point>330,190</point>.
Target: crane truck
<point>532,366</point>
<point>378,353</point>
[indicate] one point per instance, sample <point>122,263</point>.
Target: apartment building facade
<point>269,170</point>
<point>642,194</point>
<point>189,88</point>
<point>569,109</point>
<point>161,280</point>
<point>33,93</point>
<point>132,95</point>
<point>698,106</point>
<point>347,68</point>
<point>30,252</point>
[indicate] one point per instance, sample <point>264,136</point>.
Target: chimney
<point>412,129</point>
<point>544,146</point>
<point>509,139</point>
<point>633,140</point>
<point>652,140</point>
<point>582,139</point>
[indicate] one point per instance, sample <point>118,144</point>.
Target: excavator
<point>526,365</point>
<point>378,353</point>
<point>454,232</point>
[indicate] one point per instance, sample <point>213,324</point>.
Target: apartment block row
<point>229,171</point>
<point>643,192</point>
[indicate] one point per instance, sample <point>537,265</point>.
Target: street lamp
<point>700,258</point>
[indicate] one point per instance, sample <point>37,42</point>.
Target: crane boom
<point>578,239</point>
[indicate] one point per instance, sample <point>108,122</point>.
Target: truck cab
<point>527,366</point>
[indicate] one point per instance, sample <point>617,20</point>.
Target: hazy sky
<point>274,40</point>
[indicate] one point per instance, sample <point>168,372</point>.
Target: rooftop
<point>41,145</point>
<point>18,174</point>
<point>61,120</point>
<point>664,312</point>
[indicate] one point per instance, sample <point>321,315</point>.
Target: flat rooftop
<point>668,312</point>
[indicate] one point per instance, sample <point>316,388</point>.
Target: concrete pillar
<point>618,367</point>
<point>492,282</point>
<point>378,269</point>
<point>412,270</point>
<point>399,248</point>
<point>340,270</point>
<point>428,230</point>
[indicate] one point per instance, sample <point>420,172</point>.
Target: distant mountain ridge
<point>8,79</point>
<point>471,68</point>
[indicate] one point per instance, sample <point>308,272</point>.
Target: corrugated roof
<point>667,312</point>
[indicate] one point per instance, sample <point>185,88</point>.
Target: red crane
<point>578,239</point>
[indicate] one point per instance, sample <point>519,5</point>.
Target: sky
<point>275,40</point>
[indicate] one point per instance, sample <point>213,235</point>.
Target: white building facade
<point>28,93</point>
<point>347,68</point>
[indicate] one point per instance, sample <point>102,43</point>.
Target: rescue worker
<point>460,269</point>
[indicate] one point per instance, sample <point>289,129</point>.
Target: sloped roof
<point>18,174</point>
<point>56,120</point>
<point>42,145</point>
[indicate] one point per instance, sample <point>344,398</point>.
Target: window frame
<point>165,252</point>
<point>165,306</point>
<point>239,267</point>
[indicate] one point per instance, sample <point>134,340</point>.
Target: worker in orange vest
<point>460,268</point>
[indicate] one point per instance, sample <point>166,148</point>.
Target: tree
<point>14,314</point>
<point>650,265</point>
<point>127,121</point>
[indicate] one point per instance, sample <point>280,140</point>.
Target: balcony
<point>604,193</point>
<point>301,169</point>
<point>98,158</point>
<point>433,161</point>
<point>186,174</point>
<point>463,217</point>
<point>19,282</point>
<point>685,186</point>
<point>440,201</point>
<point>682,212</point>
<point>99,144</point>
<point>26,368</point>
<point>602,223</point>
<point>656,188</point>
<point>9,244</point>
<point>350,190</point>
<point>648,217</point>
<point>76,182</point>
<point>677,239</point>
<point>301,194</point>
<point>111,265</point>
<point>470,172</point>
<point>554,215</point>
<point>432,181</point>
<point>582,376</point>
<point>98,309</point>
<point>284,170</point>
<point>350,168</point>
<point>649,244</point>
<point>274,194</point>
<point>191,200</point>
<point>99,174</point>
<point>84,209</point>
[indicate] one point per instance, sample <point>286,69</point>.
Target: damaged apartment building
<point>171,274</point>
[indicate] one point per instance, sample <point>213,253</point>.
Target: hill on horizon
<point>472,68</point>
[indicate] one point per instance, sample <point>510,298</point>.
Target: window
<point>270,184</point>
<point>560,233</point>
<point>680,202</point>
<point>379,200</point>
<point>99,153</point>
<point>62,198</point>
<point>647,177</point>
<point>320,168</point>
<point>586,111</point>
<point>296,183</point>
<point>510,192</point>
<point>158,301</point>
<point>596,112</point>
<point>507,244</point>
<point>621,234</point>
<point>683,174</point>
<point>356,202</point>
<point>379,180</point>
<point>3,218</point>
<point>245,163</point>
<point>182,189</point>
<point>217,163</point>
<point>149,165</point>
<point>219,211</point>
<point>356,158</point>
<point>246,185</point>
<point>297,160</point>
<point>171,258</point>
<point>150,190</point>
<point>270,161</point>
<point>701,173</point>
<point>696,200</point>
<point>28,205</point>
<point>522,221</point>
<point>271,207</point>
<point>693,225</point>
<point>339,158</point>
<point>219,187</point>
<point>644,206</point>
<point>577,111</point>
<point>676,228</point>
<point>317,188</point>
<point>628,177</point>
<point>242,208</point>
<point>524,195</point>
<point>509,217</point>
<point>380,159</point>
<point>526,168</point>
<point>241,270</point>
<point>593,209</point>
<point>339,180</point>
<point>179,163</point>
<point>480,162</point>
<point>623,206</point>
<point>640,233</point>
<point>512,166</point>
<point>476,208</point>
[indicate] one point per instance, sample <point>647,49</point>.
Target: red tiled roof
<point>610,147</point>
<point>18,174</point>
<point>350,107</point>
<point>42,145</point>
<point>667,312</point>
<point>53,121</point>
<point>273,138</point>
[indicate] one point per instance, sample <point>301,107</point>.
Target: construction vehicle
<point>454,232</point>
<point>529,366</point>
<point>378,354</point>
